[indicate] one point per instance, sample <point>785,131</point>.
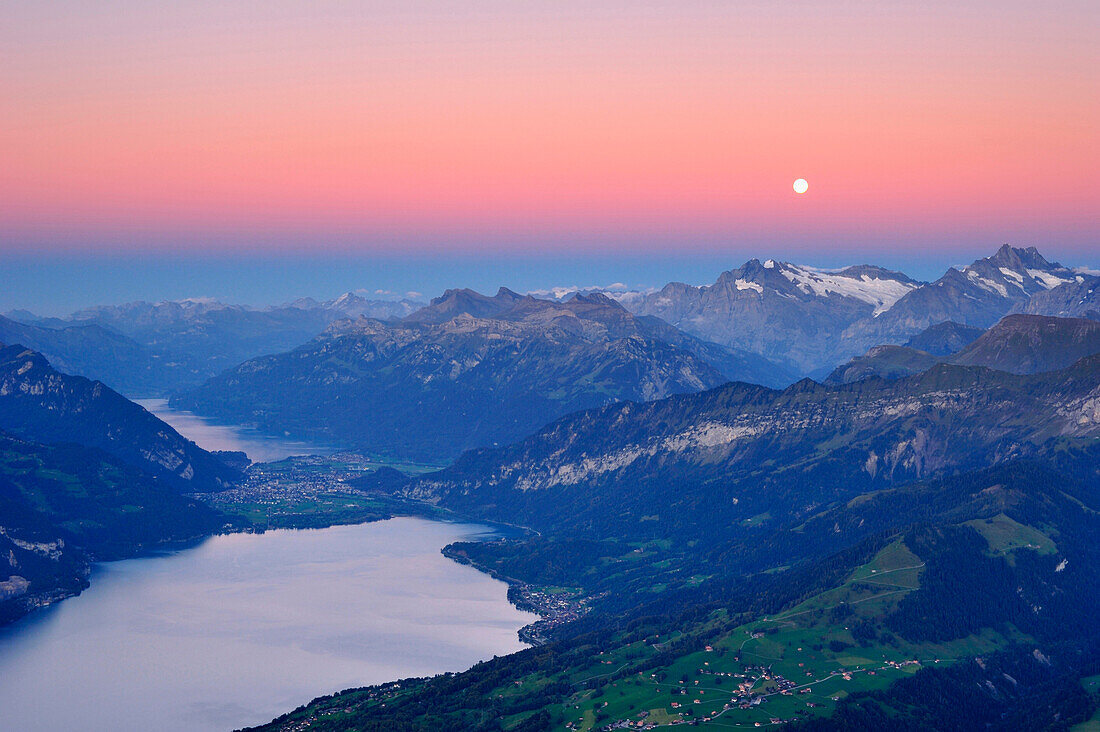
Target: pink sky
<point>503,125</point>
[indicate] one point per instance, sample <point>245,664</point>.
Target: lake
<point>244,627</point>
<point>261,448</point>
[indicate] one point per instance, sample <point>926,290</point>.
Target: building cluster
<point>293,480</point>
<point>555,609</point>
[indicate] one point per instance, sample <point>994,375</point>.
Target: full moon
<point>801,186</point>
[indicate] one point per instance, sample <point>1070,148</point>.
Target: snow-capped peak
<point>1015,272</point>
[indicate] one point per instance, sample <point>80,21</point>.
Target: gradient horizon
<point>57,285</point>
<point>494,127</point>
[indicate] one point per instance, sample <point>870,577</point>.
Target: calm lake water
<point>245,627</point>
<point>259,447</point>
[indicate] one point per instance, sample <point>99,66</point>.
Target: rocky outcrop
<point>739,449</point>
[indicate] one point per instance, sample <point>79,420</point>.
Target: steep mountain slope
<point>723,456</point>
<point>1019,344</point>
<point>886,362</point>
<point>943,339</point>
<point>41,404</point>
<point>1077,299</point>
<point>1027,344</point>
<point>466,371</point>
<point>788,313</point>
<point>62,506</point>
<point>977,295</point>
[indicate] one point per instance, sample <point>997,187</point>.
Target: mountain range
<point>468,370</point>
<point>542,357</point>
<point>808,555</point>
<point>153,349</point>
<point>813,319</point>
<point>700,463</point>
<point>706,536</point>
<point>787,312</point>
<point>979,295</point>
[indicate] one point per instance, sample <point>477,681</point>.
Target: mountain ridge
<point>814,319</point>
<point>453,358</point>
<point>1018,343</point>
<point>41,404</point>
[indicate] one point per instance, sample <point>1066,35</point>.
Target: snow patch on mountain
<point>1047,279</point>
<point>878,291</point>
<point>986,284</point>
<point>1013,274</point>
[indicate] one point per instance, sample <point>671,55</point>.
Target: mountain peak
<point>1019,258</point>
<point>1017,273</point>
<point>39,403</point>
<point>503,293</point>
<point>598,298</point>
<point>464,301</point>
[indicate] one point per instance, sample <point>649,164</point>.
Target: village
<point>309,491</point>
<point>555,609</point>
<point>752,689</point>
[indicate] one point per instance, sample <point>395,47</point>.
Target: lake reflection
<point>259,447</point>
<point>245,627</point>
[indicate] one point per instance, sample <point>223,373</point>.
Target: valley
<point>683,548</point>
<point>486,366</point>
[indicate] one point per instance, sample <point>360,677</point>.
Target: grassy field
<point>789,666</point>
<point>1092,685</point>
<point>314,492</point>
<point>1005,536</point>
<point>344,462</point>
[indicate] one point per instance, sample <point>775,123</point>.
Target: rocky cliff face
<point>729,453</point>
